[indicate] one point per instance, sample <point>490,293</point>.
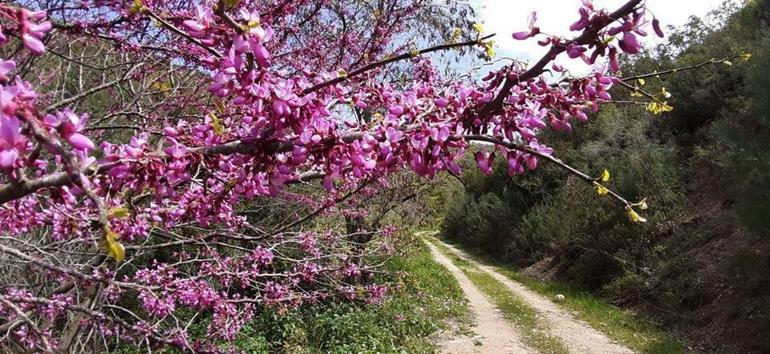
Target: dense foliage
<point>703,168</point>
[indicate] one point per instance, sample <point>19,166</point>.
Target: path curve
<point>577,335</point>
<point>496,334</point>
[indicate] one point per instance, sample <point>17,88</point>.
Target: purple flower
<point>484,160</point>
<point>159,306</point>
<point>656,28</point>
<point>575,51</point>
<point>350,270</point>
<point>6,66</point>
<point>533,30</point>
<point>33,33</point>
<point>582,22</point>
<point>275,292</point>
<point>176,151</point>
<point>521,35</point>
<point>11,141</point>
<point>197,25</point>
<point>629,43</point>
<point>33,44</point>
<point>80,142</point>
<point>69,125</point>
<point>261,256</point>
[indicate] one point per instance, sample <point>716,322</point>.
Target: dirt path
<point>576,334</point>
<point>495,333</point>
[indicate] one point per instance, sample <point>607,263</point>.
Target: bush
<point>423,297</point>
<point>741,148</point>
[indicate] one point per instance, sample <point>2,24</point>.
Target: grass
<point>620,325</point>
<point>534,331</point>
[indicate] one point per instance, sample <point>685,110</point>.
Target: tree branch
<point>591,180</point>
<point>377,64</point>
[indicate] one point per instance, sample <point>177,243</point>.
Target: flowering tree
<point>128,184</point>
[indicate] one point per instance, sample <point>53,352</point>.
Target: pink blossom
<point>261,256</point>
<point>629,43</point>
<point>12,143</point>
<point>484,160</point>
<point>196,165</point>
<point>80,142</point>
<point>6,66</point>
<point>70,126</point>
<point>656,28</point>
<point>32,33</point>
<point>533,30</point>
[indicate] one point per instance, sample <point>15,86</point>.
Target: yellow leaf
<point>342,73</point>
<point>643,204</point>
<point>641,82</point>
<point>728,63</point>
<point>636,94</point>
<point>118,212</point>
<point>652,106</point>
<point>489,49</point>
<point>458,33</point>
<point>252,24</point>
<point>600,189</point>
<point>160,86</point>
<point>633,216</point>
<point>414,53</point>
<point>478,28</point>
<point>136,7</point>
<point>605,177</point>
<point>216,124</point>
<point>114,248</point>
<point>659,107</point>
<point>746,56</point>
<point>665,93</point>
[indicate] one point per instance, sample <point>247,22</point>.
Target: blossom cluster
<point>278,115</point>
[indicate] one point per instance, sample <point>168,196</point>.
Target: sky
<point>504,17</point>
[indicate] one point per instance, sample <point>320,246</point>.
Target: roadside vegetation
<point>424,299</point>
<point>697,266</point>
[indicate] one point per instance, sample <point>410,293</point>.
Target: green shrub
<point>741,149</point>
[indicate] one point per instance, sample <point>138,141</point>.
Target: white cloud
<point>504,17</point>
